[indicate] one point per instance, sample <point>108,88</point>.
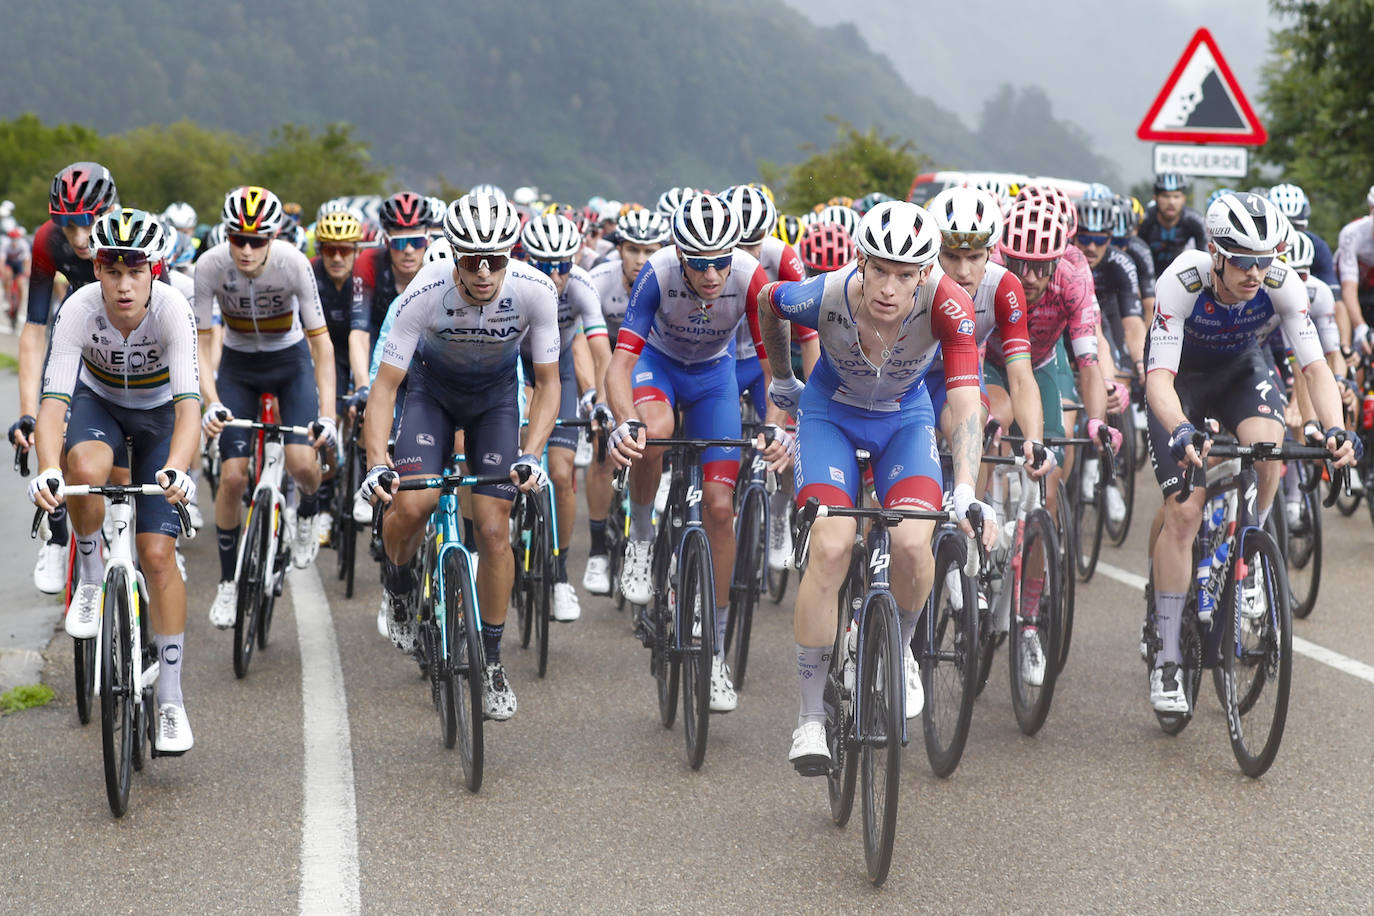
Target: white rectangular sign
<point>1205,161</point>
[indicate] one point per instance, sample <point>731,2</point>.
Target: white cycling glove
<point>535,470</point>
<point>371,487</point>
<point>171,479</point>
<point>42,480</point>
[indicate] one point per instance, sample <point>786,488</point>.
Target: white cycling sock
<point>1168,625</point>
<point>169,653</point>
<point>909,621</point>
<point>722,624</point>
<point>90,568</point>
<point>812,664</point>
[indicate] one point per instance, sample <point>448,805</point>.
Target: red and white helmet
<point>1063,205</point>
<point>967,218</point>
<point>899,231</point>
<point>1035,231</point>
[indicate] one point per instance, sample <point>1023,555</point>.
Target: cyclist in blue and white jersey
<point>1205,359</point>
<point>269,304</point>
<point>455,343</point>
<point>639,233</point>
<point>1293,203</point>
<point>123,361</point>
<point>675,350</point>
<point>881,323</point>
<point>551,243</point>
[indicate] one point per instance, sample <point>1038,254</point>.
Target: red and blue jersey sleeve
<point>798,302</point>
<point>951,322</point>
<point>751,309</point>
<point>640,312</point>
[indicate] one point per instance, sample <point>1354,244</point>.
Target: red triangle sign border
<point>1255,136</point>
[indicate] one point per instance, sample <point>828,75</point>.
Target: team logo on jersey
<point>952,308</point>
<point>1274,278</point>
<point>424,439</point>
<point>1015,316</point>
<point>966,326</point>
<point>896,470</point>
<point>837,475</point>
<point>1263,408</point>
<point>1191,279</point>
<point>1208,307</point>
<point>1162,321</point>
<point>643,376</point>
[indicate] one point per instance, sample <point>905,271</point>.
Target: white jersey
<point>1355,252</point>
<point>780,261</point>
<point>579,305</point>
<point>154,365</point>
<point>1321,308</point>
<point>15,251</point>
<point>609,281</point>
<point>183,284</point>
<point>464,346</point>
<point>272,311</point>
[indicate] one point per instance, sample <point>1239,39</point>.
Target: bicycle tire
<point>466,663</point>
<point>251,584</point>
<point>271,589</point>
<point>1030,702</point>
<point>842,777</point>
<point>116,690</point>
<point>522,592</point>
<point>751,562</point>
<point>1089,523</point>
<point>541,541</point>
<point>696,598</point>
<point>616,521</point>
<point>950,661</point>
<point>880,707</point>
<point>1257,657</point>
<point>145,708</point>
<point>1117,532</point>
<point>1067,583</point>
<point>1304,553</point>
<point>348,529</point>
<point>434,635</point>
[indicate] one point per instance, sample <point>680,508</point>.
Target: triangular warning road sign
<point>1201,102</point>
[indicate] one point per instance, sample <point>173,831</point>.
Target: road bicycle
<point>344,533</point>
<point>749,578</point>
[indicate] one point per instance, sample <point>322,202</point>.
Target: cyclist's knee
<point>1181,520</point>
<point>718,507</point>
<point>157,559</point>
<point>89,465</point>
<point>828,557</point>
<point>233,477</point>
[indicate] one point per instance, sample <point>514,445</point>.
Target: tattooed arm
<point>966,442</point>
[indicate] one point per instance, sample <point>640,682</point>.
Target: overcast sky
<point>1102,63</point>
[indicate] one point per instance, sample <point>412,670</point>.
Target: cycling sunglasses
<point>553,267</point>
<point>704,264</point>
<point>475,262</point>
<point>1093,238</point>
<point>334,250</point>
<point>132,257</point>
<point>1024,268</point>
<point>74,219</point>
<point>1246,261</point>
<point>410,241</point>
<point>241,239</point>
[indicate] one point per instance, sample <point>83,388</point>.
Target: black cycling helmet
<point>1171,181</point>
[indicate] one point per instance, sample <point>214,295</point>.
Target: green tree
<point>1318,91</point>
<point>858,163</point>
<point>31,153</point>
<point>302,165</point>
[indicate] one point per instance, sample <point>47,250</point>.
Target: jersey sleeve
<point>1173,303</point>
<point>1081,310</point>
<point>308,297</point>
<point>399,343</point>
<point>544,336</point>
<point>1128,292</point>
<point>640,312</point>
<point>1144,269</point>
<point>1291,307</point>
<point>1347,264</point>
<point>751,309</point>
<point>42,272</point>
<point>1008,305</point>
<point>586,303</point>
<point>1323,314</point>
<point>360,306</point>
<point>64,355</point>
<point>179,338</point>
<point>1323,265</point>
<point>790,266</point>
<point>798,302</point>
<point>951,321</point>
<point>204,299</point>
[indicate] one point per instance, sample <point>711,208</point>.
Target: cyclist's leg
<point>239,392</point>
<point>562,448</point>
<point>92,432</point>
<point>1252,404</point>
<point>299,402</point>
<point>654,394</point>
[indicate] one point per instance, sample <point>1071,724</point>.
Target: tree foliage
<point>156,165</point>
<point>1319,95</point>
<point>859,163</point>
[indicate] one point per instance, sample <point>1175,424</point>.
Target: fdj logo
<point>693,495</point>
<point>879,563</point>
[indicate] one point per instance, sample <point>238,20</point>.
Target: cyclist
<point>551,243</point>
<point>182,216</point>
<point>386,270</point>
<point>674,351</point>
<point>1215,308</point>
<point>1125,239</point>
<point>1169,226</point>
<point>14,269</point>
<point>455,343</point>
<point>79,194</point>
<point>639,233</point>
<point>123,359</point>
<point>881,322</point>
<point>269,304</point>
<point>1355,267</point>
<point>1293,203</point>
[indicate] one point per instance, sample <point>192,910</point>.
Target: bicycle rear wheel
<point>347,533</point>
<point>541,542</point>
<point>117,697</point>
<point>1257,660</point>
<point>1304,543</point>
<point>751,562</point>
<point>252,586</point>
<point>272,587</point>
<point>1035,614</point>
<point>839,718</point>
<point>1124,480</point>
<point>617,522</point>
<point>950,660</point>
<point>466,662</point>
<point>1090,515</point>
<point>696,606</point>
<point>880,711</point>
<point>1066,538</point>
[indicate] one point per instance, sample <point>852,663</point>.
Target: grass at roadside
<point>8,363</point>
<point>25,697</point>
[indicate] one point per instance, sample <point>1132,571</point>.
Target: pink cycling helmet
<point>1034,232</point>
<point>1067,212</point>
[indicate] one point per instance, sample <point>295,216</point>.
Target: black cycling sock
<point>469,535</point>
<point>598,529</point>
<point>308,505</point>
<point>491,641</point>
<point>398,579</point>
<point>57,527</point>
<point>324,496</point>
<point>228,541</point>
<point>561,574</point>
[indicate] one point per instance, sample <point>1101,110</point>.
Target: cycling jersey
<point>1323,262</point>
<point>373,267</point>
<point>1144,263</point>
<point>345,309</point>
<point>155,364</point>
<point>1067,303</point>
<point>1354,255</point>
<point>264,314</point>
<point>999,303</point>
<point>457,345</point>
<point>53,255</point>
<point>1321,308</point>
<point>578,305</point>
<point>1193,331</point>
<point>780,261</point>
<point>16,252</point>
<point>1117,288</point>
<point>182,284</point>
<point>846,374</point>
<point>667,315</point>
<point>1166,242</point>
<point>609,281</point>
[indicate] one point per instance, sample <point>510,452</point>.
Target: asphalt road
<point>589,806</point>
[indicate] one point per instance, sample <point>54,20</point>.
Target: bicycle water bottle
<point>1214,516</point>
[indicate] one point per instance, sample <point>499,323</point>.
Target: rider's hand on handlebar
<point>1028,448</point>
<point>1118,397</point>
<point>627,442</point>
<point>180,487</point>
<point>1344,445</point>
<point>528,474</point>
<point>379,484</point>
<point>216,415</point>
<point>45,490</point>
<point>1113,435</point>
<point>1182,447</point>
<point>963,498</point>
<point>779,448</point>
<point>21,432</point>
<point>326,432</point>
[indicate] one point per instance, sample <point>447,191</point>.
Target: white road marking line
<point>1326,656</point>
<point>329,829</point>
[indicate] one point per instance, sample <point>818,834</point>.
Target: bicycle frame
<point>270,480</point>
<point>121,554</point>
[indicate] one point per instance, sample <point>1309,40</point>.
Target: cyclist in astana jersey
<point>675,349</point>
<point>880,323</point>
<point>551,243</point>
<point>123,361</point>
<point>386,270</point>
<point>1355,268</point>
<point>79,194</point>
<point>970,224</point>
<point>1115,282</point>
<point>455,342</point>
<point>639,233</point>
<point>269,303</point>
<point>1205,360</point>
<point>1169,226</point>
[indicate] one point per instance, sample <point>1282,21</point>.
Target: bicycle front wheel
<point>1124,480</point>
<point>347,533</point>
<point>1304,553</point>
<point>839,712</point>
<point>1067,541</point>
<point>252,585</point>
<point>117,690</point>
<point>1090,516</point>
<point>466,663</point>
<point>1257,660</point>
<point>1035,624</point>
<point>751,562</point>
<point>950,659</point>
<point>880,712</point>
<point>696,626</point>
<point>541,575</point>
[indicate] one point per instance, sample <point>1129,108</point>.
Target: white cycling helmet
<point>525,196</point>
<point>643,227</point>
<point>706,223</point>
<point>671,199</point>
<point>847,217</point>
<point>611,210</point>
<point>1291,201</point>
<point>967,217</point>
<point>551,238</point>
<point>169,242</point>
<point>899,231</point>
<point>437,208</point>
<point>757,211</point>
<point>336,205</point>
<point>217,235</point>
<point>1246,222</point>
<point>438,250</point>
<point>488,188</point>
<point>130,230</point>
<point>181,215</point>
<point>1300,252</point>
<point>481,224</point>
